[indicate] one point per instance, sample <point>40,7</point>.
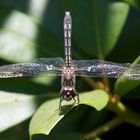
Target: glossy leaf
<point>99,35</point>
<point>21,41</point>
<point>15,108</point>
<point>16,37</point>
<point>97,24</point>
<point>59,136</point>
<point>48,115</point>
<point>129,41</point>
<point>135,3</point>
<point>123,86</point>
<point>93,138</point>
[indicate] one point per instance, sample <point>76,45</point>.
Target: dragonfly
<point>68,69</point>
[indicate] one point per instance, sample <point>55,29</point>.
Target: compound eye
<point>68,93</point>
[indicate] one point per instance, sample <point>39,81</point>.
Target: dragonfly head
<point>68,93</point>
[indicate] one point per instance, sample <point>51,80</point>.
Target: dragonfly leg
<point>60,106</point>
<point>78,101</point>
<point>74,100</point>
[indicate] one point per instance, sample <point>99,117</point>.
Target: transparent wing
<point>57,61</point>
<point>43,66</point>
<point>97,68</point>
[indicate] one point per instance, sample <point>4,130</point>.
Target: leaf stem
<point>126,113</point>
<point>97,85</point>
<point>105,127</point>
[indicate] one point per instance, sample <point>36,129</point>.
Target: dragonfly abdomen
<point>67,38</point>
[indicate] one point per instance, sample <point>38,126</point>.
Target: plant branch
<point>90,81</point>
<point>105,127</point>
<point>129,115</point>
<point>97,85</point>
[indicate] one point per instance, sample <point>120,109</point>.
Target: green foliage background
<point>107,30</point>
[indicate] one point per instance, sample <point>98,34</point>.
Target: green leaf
<point>65,136</point>
<point>129,41</point>
<point>15,108</point>
<point>16,38</point>
<point>92,138</point>
<point>97,99</point>
<point>123,86</point>
<point>24,41</point>
<point>48,115</point>
<point>135,3</point>
<point>97,24</point>
<point>18,85</point>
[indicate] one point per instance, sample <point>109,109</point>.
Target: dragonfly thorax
<point>68,93</point>
<point>68,72</point>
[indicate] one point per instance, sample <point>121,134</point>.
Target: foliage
<point>107,30</point>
